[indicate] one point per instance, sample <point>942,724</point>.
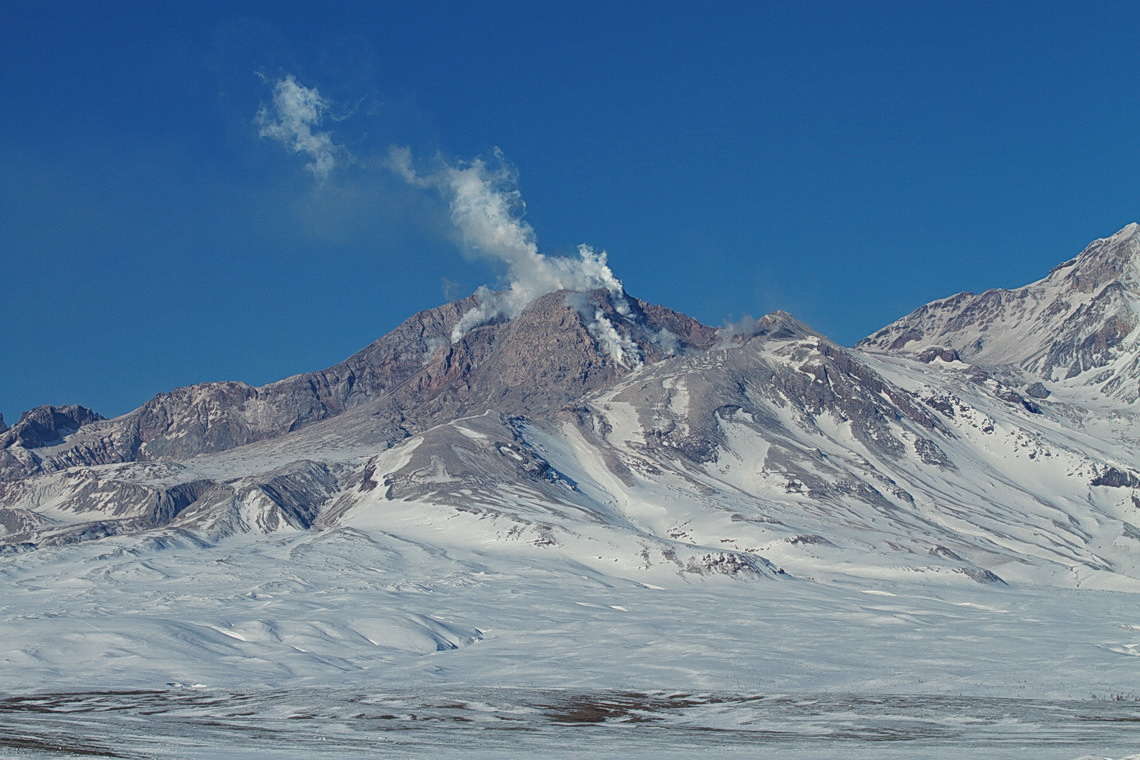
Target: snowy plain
<point>350,643</point>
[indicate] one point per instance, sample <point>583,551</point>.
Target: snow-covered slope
<point>767,454</point>
<point>790,455</point>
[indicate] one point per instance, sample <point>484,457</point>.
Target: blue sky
<point>844,161</point>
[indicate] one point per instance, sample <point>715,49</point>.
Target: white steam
<point>623,349</point>
<point>293,118</point>
<point>738,330</point>
<point>487,208</point>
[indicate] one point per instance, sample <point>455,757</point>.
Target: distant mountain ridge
<point>985,437</point>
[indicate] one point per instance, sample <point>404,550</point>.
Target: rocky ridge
<point>413,377</point>
<point>1081,322</point>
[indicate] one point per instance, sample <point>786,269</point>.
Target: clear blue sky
<point>844,161</point>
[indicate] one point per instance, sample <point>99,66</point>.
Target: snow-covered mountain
<point>600,511</point>
<point>1079,326</point>
<point>989,438</point>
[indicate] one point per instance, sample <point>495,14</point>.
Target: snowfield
<point>351,644</point>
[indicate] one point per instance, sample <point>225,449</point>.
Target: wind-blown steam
<point>296,112</point>
<point>487,208</point>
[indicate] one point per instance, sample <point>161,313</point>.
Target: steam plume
<point>296,113</point>
<point>487,208</point>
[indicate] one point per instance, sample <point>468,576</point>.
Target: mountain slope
<point>546,355</point>
<point>1079,326</point>
<point>952,446</point>
<point>789,451</point>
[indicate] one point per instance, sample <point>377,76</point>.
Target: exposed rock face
<point>218,416</point>
<point>937,352</point>
<point>544,358</point>
<point>38,428</point>
<point>47,425</point>
<point>1114,478</point>
<point>1080,321</point>
<point>287,497</point>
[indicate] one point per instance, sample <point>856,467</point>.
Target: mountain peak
<point>560,346</point>
<point>47,425</point>
<point>563,344</point>
<point>1083,316</point>
<point>1130,230</point>
<point>1104,261</point>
